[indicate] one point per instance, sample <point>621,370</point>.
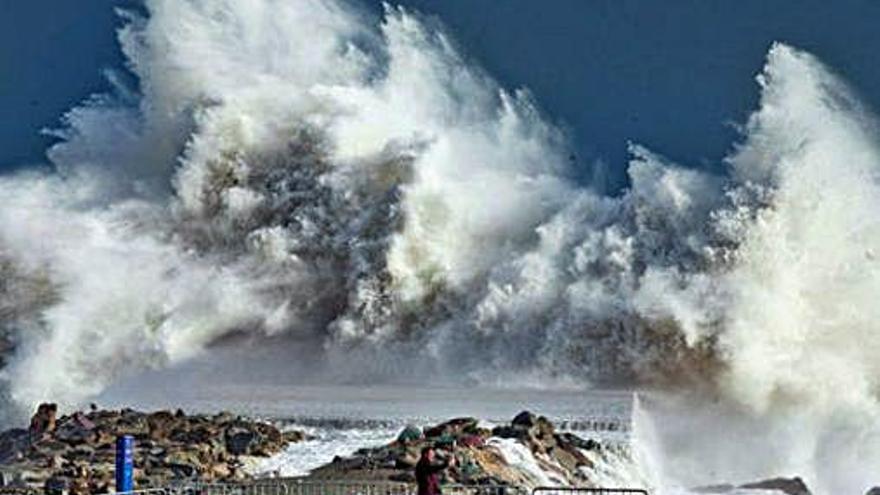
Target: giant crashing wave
<point>288,169</point>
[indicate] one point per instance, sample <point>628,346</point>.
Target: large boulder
<point>43,422</point>
<point>453,428</point>
<point>525,419</point>
<point>241,440</point>
<point>410,434</point>
<point>161,423</point>
<point>184,463</point>
<point>536,432</point>
<point>294,436</point>
<point>75,429</point>
<point>570,439</point>
<point>130,422</point>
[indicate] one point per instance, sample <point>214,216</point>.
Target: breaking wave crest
<point>296,170</point>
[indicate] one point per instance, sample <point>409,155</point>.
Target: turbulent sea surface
<point>301,193</point>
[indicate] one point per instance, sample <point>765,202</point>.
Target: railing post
<point>125,463</point>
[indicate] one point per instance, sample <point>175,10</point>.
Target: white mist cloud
<point>292,168</point>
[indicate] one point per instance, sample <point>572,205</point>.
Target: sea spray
<point>292,169</point>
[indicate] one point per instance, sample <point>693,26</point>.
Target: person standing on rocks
<point>428,472</point>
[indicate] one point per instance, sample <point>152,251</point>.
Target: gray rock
<point>410,434</point>
<point>75,429</point>
<point>453,428</point>
<point>506,431</point>
<point>12,443</point>
<point>57,485</point>
<point>789,486</point>
<point>525,418</point>
<point>240,440</point>
<point>578,442</point>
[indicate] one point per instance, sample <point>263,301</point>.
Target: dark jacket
<point>428,477</point>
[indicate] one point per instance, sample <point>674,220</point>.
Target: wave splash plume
<point>299,170</point>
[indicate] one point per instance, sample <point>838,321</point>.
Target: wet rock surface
<point>788,486</point>
<point>76,452</point>
<point>480,454</point>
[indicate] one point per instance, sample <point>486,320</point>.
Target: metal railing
<point>573,490</point>
<point>301,487</point>
<point>482,490</point>
<point>298,486</point>
<point>261,488</point>
<point>215,489</point>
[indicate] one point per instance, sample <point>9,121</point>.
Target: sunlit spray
<point>296,169</point>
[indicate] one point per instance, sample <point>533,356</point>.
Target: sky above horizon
<point>674,76</point>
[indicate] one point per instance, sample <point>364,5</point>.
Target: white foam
<point>295,168</point>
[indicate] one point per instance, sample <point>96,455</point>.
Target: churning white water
<point>299,172</point>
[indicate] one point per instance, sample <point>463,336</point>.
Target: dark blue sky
<point>668,74</point>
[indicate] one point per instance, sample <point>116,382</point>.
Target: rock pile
<point>77,452</point>
<point>481,454</point>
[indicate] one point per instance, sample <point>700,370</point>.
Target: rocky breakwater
<point>76,452</point>
<point>528,451</point>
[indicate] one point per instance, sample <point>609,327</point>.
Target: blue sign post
<point>125,463</point>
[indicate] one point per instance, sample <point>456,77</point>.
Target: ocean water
<point>575,408</point>
<point>357,196</point>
